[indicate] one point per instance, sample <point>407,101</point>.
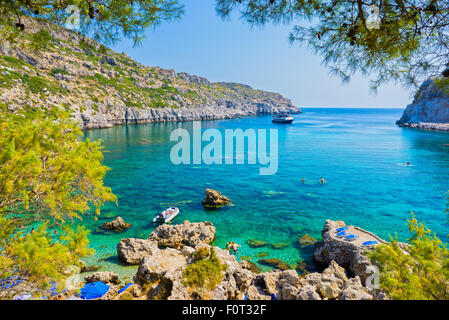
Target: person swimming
<point>232,246</point>
<point>303,180</point>
<point>235,247</point>
<point>322,180</point>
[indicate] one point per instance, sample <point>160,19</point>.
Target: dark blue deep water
<point>360,152</point>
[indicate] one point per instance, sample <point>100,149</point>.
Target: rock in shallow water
<point>214,199</point>
<point>186,233</point>
<point>118,225</point>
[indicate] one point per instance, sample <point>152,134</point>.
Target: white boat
<point>167,215</point>
<point>282,118</point>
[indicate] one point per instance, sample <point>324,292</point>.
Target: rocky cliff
<point>49,65</point>
<point>430,106</point>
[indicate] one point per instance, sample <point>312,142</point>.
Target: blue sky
<point>202,43</point>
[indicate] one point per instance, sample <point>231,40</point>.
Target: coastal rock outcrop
<point>103,88</point>
<point>186,233</point>
<point>117,225</point>
<point>430,106</point>
<point>348,254</point>
<point>103,276</point>
<point>165,257</point>
<point>132,250</point>
<point>214,199</point>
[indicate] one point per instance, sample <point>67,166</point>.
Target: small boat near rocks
<point>167,215</point>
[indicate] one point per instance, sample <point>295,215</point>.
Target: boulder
<point>308,292</point>
<point>118,225</point>
<point>190,234</point>
<point>289,292</point>
<point>257,293</point>
<point>248,265</point>
<point>187,251</point>
<point>307,240</point>
<point>329,290</point>
<point>291,277</point>
<point>154,267</point>
<point>353,290</point>
<point>132,250</point>
<point>214,199</point>
<point>104,276</point>
<point>335,274</point>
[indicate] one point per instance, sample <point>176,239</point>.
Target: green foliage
<point>408,45</point>
<point>105,21</point>
<point>201,253</point>
<point>204,272</point>
<point>58,70</point>
<point>46,174</point>
<point>40,40</point>
<point>419,271</point>
<point>36,84</point>
<point>45,168</point>
<point>38,255</point>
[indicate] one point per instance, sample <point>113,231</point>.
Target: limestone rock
<point>329,289</point>
<point>347,254</point>
<point>187,251</point>
<point>430,106</point>
<point>104,276</point>
<point>190,234</point>
<point>214,199</point>
<point>289,292</point>
<point>117,225</point>
<point>353,290</point>
<point>308,292</point>
<point>256,293</point>
<point>132,250</point>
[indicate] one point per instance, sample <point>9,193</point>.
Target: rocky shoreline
<point>170,250</point>
<point>103,88</point>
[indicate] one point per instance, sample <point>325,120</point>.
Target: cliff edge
<point>430,106</point>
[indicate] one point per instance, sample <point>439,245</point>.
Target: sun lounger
<point>342,234</point>
<point>351,237</point>
<point>341,229</point>
<point>369,243</point>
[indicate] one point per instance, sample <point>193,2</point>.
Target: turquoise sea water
<point>360,152</point>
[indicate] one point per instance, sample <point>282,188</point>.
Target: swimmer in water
<point>303,180</point>
<point>322,180</point>
<point>235,247</point>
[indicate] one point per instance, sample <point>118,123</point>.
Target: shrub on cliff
<point>204,272</point>
<point>419,271</point>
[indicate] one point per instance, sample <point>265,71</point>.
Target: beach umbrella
<point>94,290</point>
